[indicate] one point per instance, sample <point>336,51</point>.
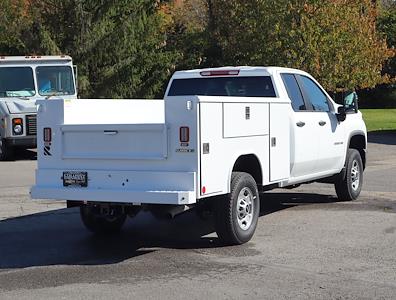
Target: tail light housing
<point>47,135</point>
<point>184,134</point>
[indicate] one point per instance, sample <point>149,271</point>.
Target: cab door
<point>304,146</point>
<point>328,133</point>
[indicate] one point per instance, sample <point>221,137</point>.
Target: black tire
<point>101,224</point>
<point>349,182</point>
<point>230,226</point>
<point>6,151</point>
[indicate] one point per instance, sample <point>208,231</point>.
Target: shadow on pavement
<point>385,137</point>
<point>24,154</point>
<point>275,201</point>
<point>59,238</point>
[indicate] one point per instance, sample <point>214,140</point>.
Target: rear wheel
<point>100,221</point>
<point>6,151</point>
<point>350,181</point>
<point>236,214</point>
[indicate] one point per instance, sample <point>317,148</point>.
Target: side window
<point>315,95</point>
<point>294,92</point>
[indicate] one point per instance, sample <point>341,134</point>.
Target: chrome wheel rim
<point>355,175</point>
<point>245,208</point>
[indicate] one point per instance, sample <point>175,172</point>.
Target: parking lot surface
<point>307,245</point>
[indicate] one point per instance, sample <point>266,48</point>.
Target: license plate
<point>75,178</point>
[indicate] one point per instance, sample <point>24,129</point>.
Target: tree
<point>334,40</point>
<point>387,25</point>
<point>384,95</point>
<point>13,20</point>
<point>130,48</point>
<point>119,46</point>
<point>191,34</point>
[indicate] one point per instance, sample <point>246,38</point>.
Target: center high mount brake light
<point>220,73</point>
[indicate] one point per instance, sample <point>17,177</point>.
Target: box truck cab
<point>23,80</point>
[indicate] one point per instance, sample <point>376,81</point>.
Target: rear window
<point>253,86</point>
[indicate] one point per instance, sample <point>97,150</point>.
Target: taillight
<point>47,134</point>
<point>220,73</point>
<point>184,134</point>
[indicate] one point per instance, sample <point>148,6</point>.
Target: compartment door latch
<point>273,142</point>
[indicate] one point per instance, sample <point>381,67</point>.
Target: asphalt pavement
<point>307,245</point>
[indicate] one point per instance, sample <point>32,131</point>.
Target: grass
<point>379,119</point>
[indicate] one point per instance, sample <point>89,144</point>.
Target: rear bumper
<point>135,187</point>
<point>133,197</point>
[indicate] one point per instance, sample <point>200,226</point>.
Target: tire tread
<point>225,228</point>
<point>342,184</point>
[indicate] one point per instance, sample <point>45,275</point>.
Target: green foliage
<point>130,48</point>
<point>336,41</point>
<point>387,25</point>
<point>12,22</point>
<point>117,45</point>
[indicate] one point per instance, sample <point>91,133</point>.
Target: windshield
<point>16,82</point>
<point>53,81</point>
<point>252,86</point>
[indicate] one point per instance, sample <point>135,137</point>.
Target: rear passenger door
<point>304,145</point>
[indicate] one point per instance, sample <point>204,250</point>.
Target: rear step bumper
<point>133,197</point>
<point>136,187</point>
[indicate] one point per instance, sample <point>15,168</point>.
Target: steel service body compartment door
<point>123,141</point>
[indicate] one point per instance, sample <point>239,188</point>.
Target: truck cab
<point>23,80</point>
<point>219,137</point>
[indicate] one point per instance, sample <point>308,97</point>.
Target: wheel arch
<point>248,163</point>
<point>357,140</point>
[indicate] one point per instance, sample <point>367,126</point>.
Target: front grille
<point>31,125</point>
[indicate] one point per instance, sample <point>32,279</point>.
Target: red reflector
<point>47,134</point>
<point>203,190</point>
<point>220,73</point>
<point>184,134</point>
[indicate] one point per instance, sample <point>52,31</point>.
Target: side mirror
<point>351,102</point>
<point>341,114</point>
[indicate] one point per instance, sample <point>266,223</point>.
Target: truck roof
<point>34,58</point>
<point>234,71</point>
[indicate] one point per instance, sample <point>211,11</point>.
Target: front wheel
<point>6,151</point>
<point>100,222</point>
<point>236,214</point>
<point>349,182</point>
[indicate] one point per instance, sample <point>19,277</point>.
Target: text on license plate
<point>75,178</point>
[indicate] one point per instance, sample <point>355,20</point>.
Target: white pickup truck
<point>218,138</point>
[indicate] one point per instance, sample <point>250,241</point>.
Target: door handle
<point>300,124</point>
<point>110,132</point>
<point>322,123</point>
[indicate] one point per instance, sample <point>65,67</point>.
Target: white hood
<point>17,106</point>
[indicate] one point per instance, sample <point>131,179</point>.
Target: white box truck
<point>219,137</point>
<point>23,80</point>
